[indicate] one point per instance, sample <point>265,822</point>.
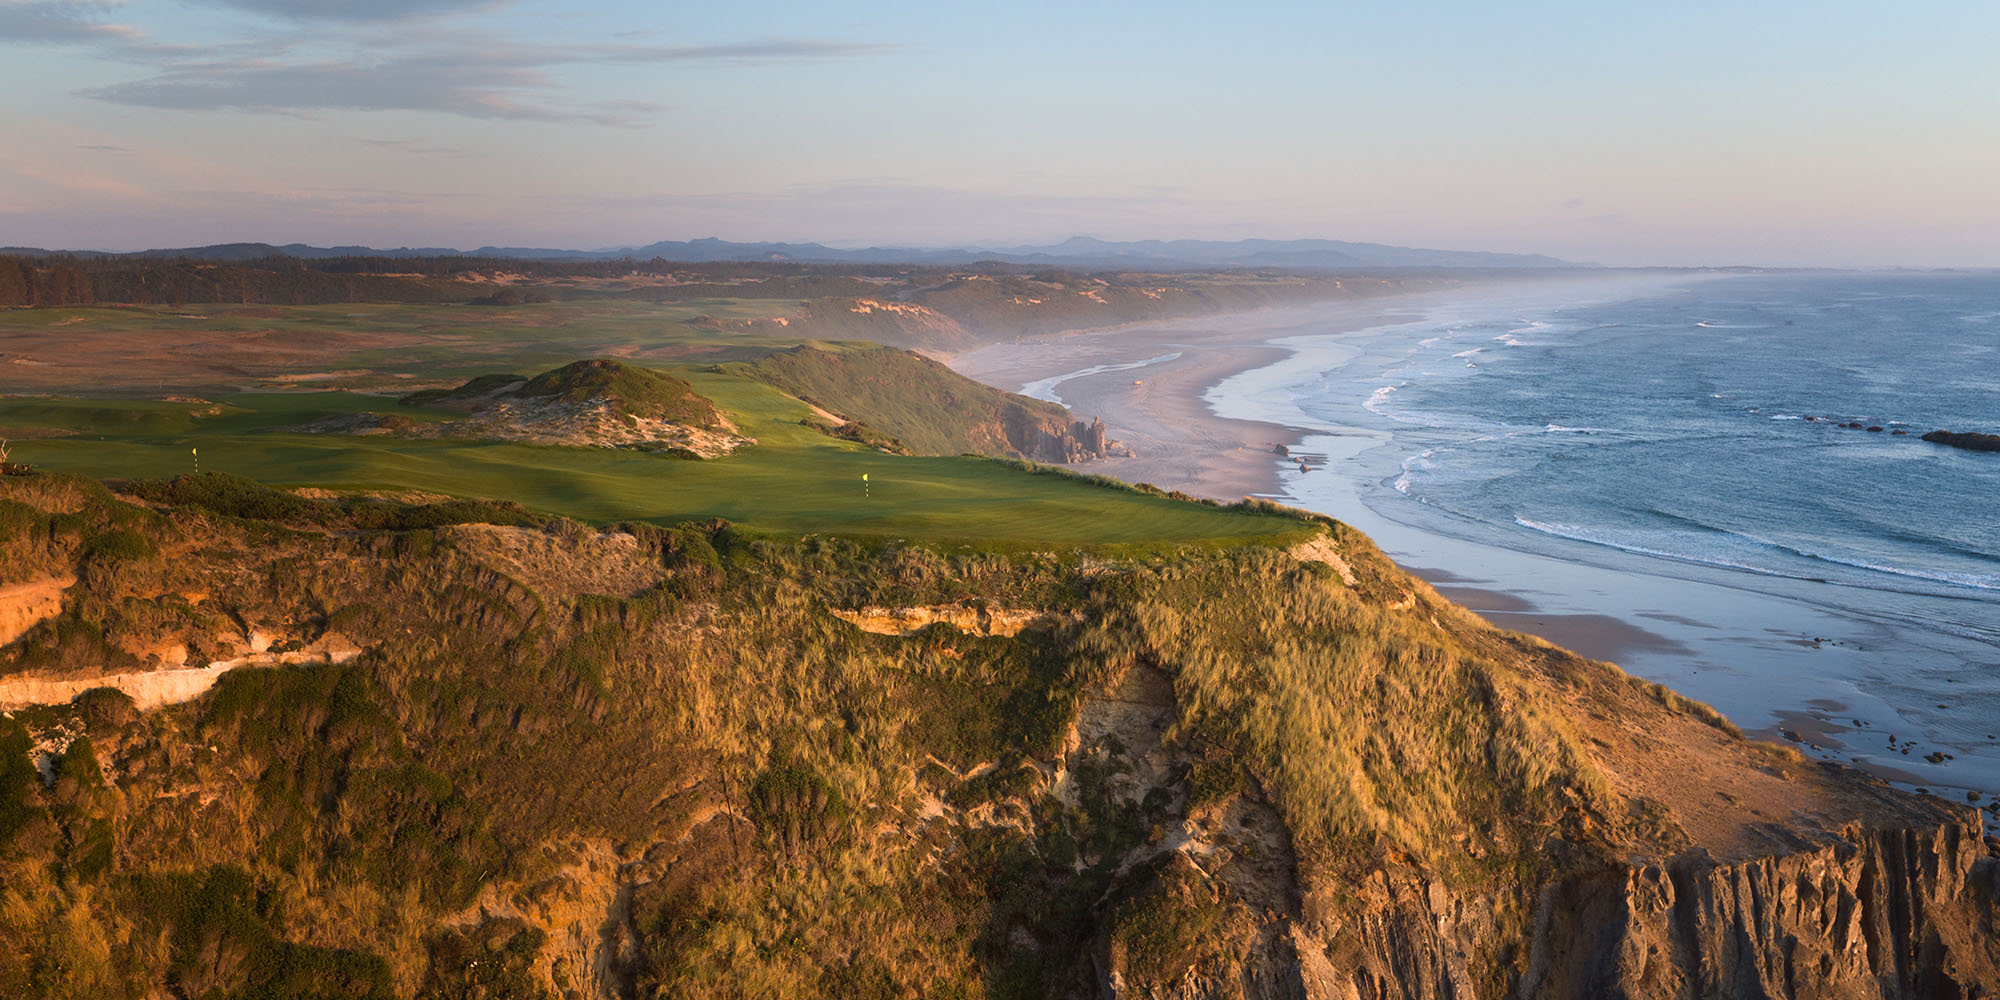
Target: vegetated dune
<point>599,403</point>
<point>1239,772</point>
<point>909,403</point>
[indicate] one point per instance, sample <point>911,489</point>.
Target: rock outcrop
<point>1898,910</point>
<point>1968,441</point>
<point>1062,445</point>
<point>1865,911</point>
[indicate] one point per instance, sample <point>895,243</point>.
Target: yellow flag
<point>195,452</point>
<point>864,477</point>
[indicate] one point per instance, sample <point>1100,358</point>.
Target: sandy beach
<point>1151,395</point>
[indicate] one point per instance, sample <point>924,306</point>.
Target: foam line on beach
<point>1045,388</point>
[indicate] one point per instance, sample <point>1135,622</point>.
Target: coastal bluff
<point>501,756</point>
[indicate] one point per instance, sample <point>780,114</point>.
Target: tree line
<point>77,280</point>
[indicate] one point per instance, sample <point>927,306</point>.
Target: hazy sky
<point>1691,132</point>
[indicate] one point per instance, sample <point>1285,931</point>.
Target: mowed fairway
<point>795,481</point>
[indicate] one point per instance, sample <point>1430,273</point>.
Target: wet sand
<point>1156,408</point>
<point>1600,637</point>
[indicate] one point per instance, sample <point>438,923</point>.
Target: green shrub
<point>1000,783</point>
<point>104,709</point>
<point>233,496</point>
<point>221,911</point>
<point>79,764</point>
<point>17,519</point>
<point>795,807</point>
<point>120,546</point>
<point>19,781</point>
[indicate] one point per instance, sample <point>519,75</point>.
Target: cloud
<point>367,55</point>
<point>58,21</point>
<point>493,81</point>
<point>103,148</point>
<point>449,85</point>
<point>747,52</point>
<point>357,10</point>
<point>414,146</point>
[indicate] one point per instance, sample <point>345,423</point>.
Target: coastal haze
<point>502,498</point>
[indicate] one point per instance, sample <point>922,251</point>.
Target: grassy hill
<point>922,405</point>
<point>629,389</point>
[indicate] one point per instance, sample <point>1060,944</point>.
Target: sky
<point>1762,132</point>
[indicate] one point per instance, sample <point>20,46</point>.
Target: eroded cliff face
<point>1862,911</point>
<point>1901,904</point>
<point>1904,911</point>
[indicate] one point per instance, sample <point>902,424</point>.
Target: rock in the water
<point>1967,440</point>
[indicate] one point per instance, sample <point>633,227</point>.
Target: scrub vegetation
<point>700,782</point>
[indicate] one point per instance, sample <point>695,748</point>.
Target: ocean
<point>1679,454</point>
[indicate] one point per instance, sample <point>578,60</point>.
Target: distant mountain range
<point>1080,252</point>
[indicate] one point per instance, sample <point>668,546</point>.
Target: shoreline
<point>1157,385</point>
<point>1158,407</point>
<point>1777,661</point>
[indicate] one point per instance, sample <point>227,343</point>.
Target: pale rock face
<point>1862,912</point>
<point>150,689</point>
<point>24,605</point>
<point>904,621</point>
<point>1898,912</point>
